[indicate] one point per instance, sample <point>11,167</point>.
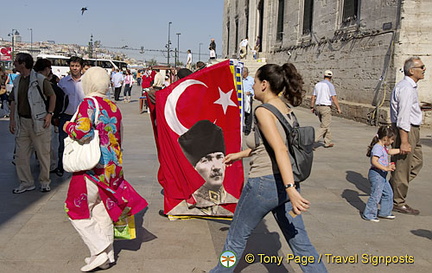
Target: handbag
<point>82,157</point>
<point>125,229</point>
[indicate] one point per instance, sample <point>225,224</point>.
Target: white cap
<point>328,73</point>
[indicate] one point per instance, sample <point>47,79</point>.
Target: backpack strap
<point>280,116</point>
<point>41,94</point>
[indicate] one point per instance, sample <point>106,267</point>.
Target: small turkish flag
<point>200,107</point>
<point>5,54</point>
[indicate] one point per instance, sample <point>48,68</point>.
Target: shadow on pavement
<point>13,204</point>
<point>262,241</point>
<point>422,233</point>
<point>352,196</point>
<point>426,142</point>
<point>142,235</point>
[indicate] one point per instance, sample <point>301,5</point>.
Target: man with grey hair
<point>32,106</point>
<point>406,117</point>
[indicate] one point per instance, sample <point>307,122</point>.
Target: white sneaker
<point>100,260</point>
<point>106,265</point>
<point>22,189</point>
<point>390,217</point>
<point>375,220</point>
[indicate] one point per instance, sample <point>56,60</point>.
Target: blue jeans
<point>260,196</point>
<point>381,193</point>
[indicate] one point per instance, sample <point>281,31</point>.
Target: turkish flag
<point>206,95</point>
<point>5,54</point>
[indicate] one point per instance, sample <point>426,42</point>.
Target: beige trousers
<point>243,52</point>
<point>97,232</point>
<point>408,166</point>
<point>324,115</point>
<point>27,142</point>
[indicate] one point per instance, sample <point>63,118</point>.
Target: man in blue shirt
<point>406,117</point>
<point>74,95</point>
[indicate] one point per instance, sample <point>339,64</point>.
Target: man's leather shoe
<point>329,146</point>
<point>406,209</point>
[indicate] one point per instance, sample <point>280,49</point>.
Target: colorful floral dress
<point>118,196</point>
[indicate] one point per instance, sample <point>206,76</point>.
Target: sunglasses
<point>421,67</point>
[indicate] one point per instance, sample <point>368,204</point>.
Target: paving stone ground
<point>36,236</point>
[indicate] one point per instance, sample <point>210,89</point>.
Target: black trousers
<point>117,91</point>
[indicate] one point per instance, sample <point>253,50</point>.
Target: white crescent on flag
<point>171,105</point>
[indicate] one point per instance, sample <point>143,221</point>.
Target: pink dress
<point>117,195</point>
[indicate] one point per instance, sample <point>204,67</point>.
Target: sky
<point>119,23</point>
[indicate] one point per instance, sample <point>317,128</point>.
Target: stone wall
<point>366,56</point>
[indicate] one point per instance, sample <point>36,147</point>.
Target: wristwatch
<point>52,113</point>
<point>290,185</point>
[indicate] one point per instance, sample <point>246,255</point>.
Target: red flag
<point>5,54</point>
<point>207,95</point>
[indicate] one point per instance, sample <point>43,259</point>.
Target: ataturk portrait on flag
<point>198,123</point>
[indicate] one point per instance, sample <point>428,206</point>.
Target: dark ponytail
<point>284,79</point>
<point>383,131</point>
<point>294,85</point>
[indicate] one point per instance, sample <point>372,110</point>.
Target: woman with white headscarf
<point>99,196</point>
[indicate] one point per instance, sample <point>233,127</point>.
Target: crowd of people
<point>40,104</point>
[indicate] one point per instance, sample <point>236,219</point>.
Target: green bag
<point>125,229</point>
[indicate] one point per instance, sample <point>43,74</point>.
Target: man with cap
<point>324,94</point>
<point>204,147</point>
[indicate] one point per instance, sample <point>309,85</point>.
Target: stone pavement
<point>36,236</point>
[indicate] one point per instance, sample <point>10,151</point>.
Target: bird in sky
<point>83,9</point>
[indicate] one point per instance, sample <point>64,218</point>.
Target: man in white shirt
<point>244,45</point>
<point>406,117</point>
<point>189,60</point>
<point>248,92</point>
<point>74,94</point>
<point>324,95</point>
<point>117,82</point>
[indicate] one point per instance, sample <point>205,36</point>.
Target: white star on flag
<point>225,100</point>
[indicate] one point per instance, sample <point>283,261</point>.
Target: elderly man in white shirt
<point>406,117</point>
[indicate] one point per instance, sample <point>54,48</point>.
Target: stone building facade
<point>364,43</point>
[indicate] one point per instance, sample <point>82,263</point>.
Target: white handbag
<point>82,157</point>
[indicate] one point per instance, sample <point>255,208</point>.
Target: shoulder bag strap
<point>97,110</point>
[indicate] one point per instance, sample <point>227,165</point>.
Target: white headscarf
<point>95,82</point>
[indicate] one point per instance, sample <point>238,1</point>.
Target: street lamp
<point>178,48</point>
<point>169,42</point>
<point>199,52</point>
<point>31,39</point>
<point>13,34</point>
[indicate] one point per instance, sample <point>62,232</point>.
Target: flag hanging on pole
<point>198,123</point>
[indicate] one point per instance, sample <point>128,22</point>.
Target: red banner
<point>5,54</point>
<point>198,122</point>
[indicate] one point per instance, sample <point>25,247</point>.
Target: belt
<point>322,105</point>
<point>413,125</point>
